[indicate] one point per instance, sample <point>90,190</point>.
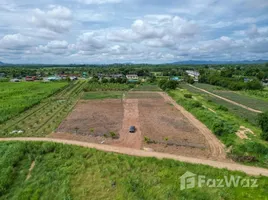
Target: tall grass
<point>18,97</point>
<point>69,172</point>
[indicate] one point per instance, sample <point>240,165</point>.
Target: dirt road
<point>216,147</point>
<point>135,152</point>
<point>131,118</point>
<point>228,100</point>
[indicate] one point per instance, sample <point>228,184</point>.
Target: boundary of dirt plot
<point>140,153</point>
<point>215,145</point>
<point>228,100</point>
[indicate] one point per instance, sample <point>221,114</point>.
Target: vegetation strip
<point>134,152</point>
<point>233,102</point>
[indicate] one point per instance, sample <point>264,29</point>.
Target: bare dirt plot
<point>170,130</point>
<point>154,114</point>
<point>216,147</point>
<point>94,119</point>
<point>131,118</point>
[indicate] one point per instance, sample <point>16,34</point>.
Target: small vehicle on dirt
<point>132,129</point>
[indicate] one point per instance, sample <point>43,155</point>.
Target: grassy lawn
<point>238,97</point>
<point>18,97</point>
<point>147,87</point>
<point>103,95</point>
<point>225,124</point>
<point>69,172</point>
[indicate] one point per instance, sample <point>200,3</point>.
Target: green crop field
<point>238,97</point>
<point>103,95</point>
<point>263,95</point>
<point>44,118</point>
<point>237,110</point>
<point>69,172</point>
<point>106,87</point>
<point>18,97</point>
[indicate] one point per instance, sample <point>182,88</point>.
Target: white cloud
<point>91,41</point>
<point>132,30</point>
<point>99,1</point>
<point>55,47</point>
<point>15,41</point>
<point>58,19</point>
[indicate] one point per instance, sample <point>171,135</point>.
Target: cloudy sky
<point>151,31</point>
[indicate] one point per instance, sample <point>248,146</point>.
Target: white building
<point>192,73</point>
<point>132,77</point>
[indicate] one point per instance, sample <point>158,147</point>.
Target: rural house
<point>132,77</point>
<point>30,78</point>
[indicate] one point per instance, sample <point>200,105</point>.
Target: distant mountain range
<point>209,62</point>
<point>188,62</point>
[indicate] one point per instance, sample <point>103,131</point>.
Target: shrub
<point>223,108</point>
<point>113,135</point>
<point>147,139</point>
<point>168,84</point>
<point>263,122</point>
<point>264,136</point>
<point>254,85</point>
<point>218,128</point>
<point>197,104</point>
<point>189,96</point>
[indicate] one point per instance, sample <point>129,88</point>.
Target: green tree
<point>254,85</point>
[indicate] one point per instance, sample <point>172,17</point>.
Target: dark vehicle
<point>132,129</point>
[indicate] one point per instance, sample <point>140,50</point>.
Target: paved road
<point>228,100</point>
<point>135,152</point>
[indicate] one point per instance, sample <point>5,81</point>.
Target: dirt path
<point>228,100</point>
<point>131,118</point>
<point>135,152</point>
<point>30,170</point>
<point>216,147</point>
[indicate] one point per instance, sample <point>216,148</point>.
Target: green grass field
<point>69,172</point>
<point>18,97</point>
<point>238,97</point>
<point>103,95</point>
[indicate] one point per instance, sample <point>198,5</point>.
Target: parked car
<point>132,129</point>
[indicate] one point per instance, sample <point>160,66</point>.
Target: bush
<point>196,104</point>
<point>218,128</point>
<point>221,127</point>
<point>223,108</point>
<point>264,136</point>
<point>254,85</point>
<point>189,96</point>
<point>168,84</point>
<point>263,122</point>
